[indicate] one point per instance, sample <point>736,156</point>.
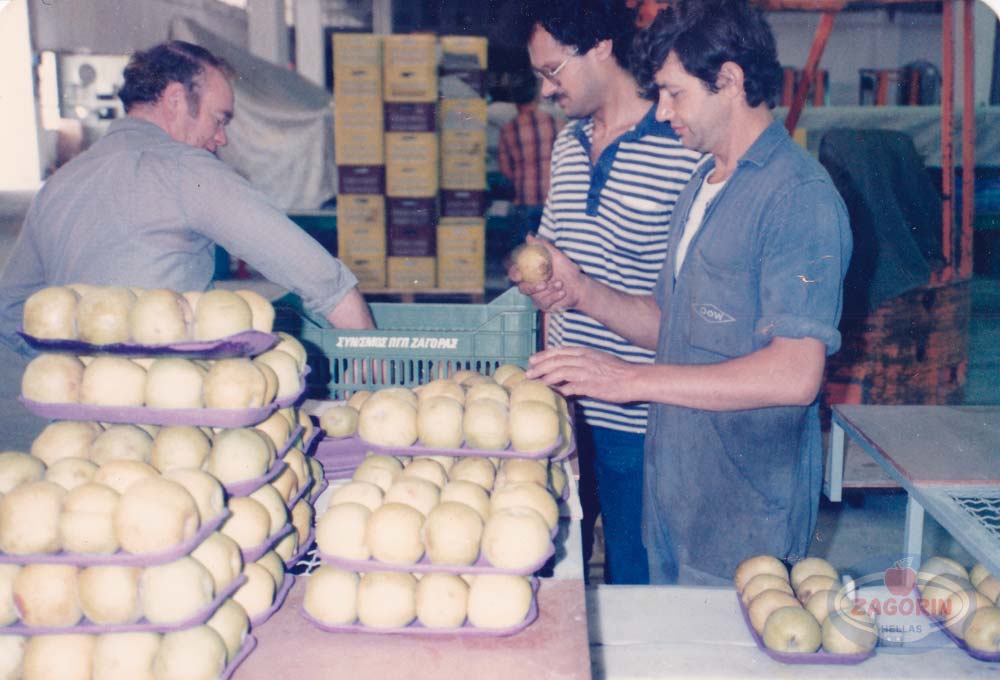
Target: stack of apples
<point>962,601</point>
<point>801,611</point>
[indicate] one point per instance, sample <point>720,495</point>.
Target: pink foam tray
<point>425,566</point>
<point>292,399</point>
<point>990,657</point>
<point>820,657</point>
<point>249,644</point>
<point>279,599</point>
<point>418,450</point>
<point>255,553</point>
<point>141,415</point>
<point>141,626</point>
<point>303,549</point>
<point>245,344</point>
<point>122,558</point>
<point>416,628</point>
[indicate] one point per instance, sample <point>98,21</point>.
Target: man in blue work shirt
<point>743,315</point>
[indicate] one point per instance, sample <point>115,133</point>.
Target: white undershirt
<point>696,216</point>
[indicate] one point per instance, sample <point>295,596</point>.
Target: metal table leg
<point>833,482</point>
<point>913,533</point>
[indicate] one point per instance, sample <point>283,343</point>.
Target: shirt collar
<point>133,124</point>
<point>762,148</point>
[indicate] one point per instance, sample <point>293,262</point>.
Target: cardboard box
<point>461,84</point>
<point>410,116</point>
<point>461,272</point>
<point>411,69</point>
<point>471,143</point>
<point>463,172</point>
<point>463,203</point>
<point>361,226</point>
<point>410,212</point>
<point>357,131</point>
<point>357,49</point>
<point>463,114</point>
<point>370,270</point>
<point>457,236</point>
<point>360,179</point>
<point>411,164</point>
<point>411,272</point>
<point>406,241</point>
<point>357,81</point>
<point>473,45</point>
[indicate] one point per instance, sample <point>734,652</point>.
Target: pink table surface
<point>555,646</point>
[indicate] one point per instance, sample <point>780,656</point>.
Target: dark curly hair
<point>705,34</point>
<point>650,50</point>
<point>582,24</point>
<point>149,72</point>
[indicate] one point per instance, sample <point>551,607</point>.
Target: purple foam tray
<point>247,343</point>
<point>141,415</point>
<point>279,599</point>
<point>990,657</point>
<point>300,494</point>
<point>122,558</point>
<point>255,553</point>
<point>303,550</point>
<point>313,438</point>
<point>425,566</point>
<point>416,628</point>
<point>323,484</point>
<point>141,626</point>
<point>248,486</point>
<point>291,400</point>
<point>292,438</point>
<point>809,658</point>
<point>249,644</point>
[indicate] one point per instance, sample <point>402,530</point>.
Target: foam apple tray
<point>246,343</point>
<point>990,657</point>
<point>143,415</point>
<point>417,628</point>
<point>794,658</point>
<point>280,595</point>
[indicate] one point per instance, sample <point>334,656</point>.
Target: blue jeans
<point>524,220</point>
<point>611,466</point>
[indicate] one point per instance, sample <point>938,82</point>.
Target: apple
<point>815,584</point>
<point>936,566</point>
<point>811,566</point>
<point>761,582</point>
<point>900,579</point>
<point>934,597</point>
<point>849,632</point>
<point>759,564</point>
<point>982,632</point>
<point>822,602</point>
<point>960,607</point>
<point>978,573</point>
<point>767,602</point>
<point>990,587</point>
<point>792,630</point>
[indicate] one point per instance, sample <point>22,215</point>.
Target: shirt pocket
<point>722,307</point>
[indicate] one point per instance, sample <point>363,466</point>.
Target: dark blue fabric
<point>524,220</point>
<point>611,461</point>
<point>769,260</point>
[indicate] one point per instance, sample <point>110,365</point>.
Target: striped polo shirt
<point>612,218</point>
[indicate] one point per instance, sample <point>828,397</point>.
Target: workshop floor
<point>865,524</point>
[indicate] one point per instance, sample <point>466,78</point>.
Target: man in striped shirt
<point>524,154</point>
<point>616,172</point>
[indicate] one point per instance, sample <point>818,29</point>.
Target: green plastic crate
<point>413,343</point>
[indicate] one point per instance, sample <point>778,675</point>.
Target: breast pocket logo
<point>711,313</point>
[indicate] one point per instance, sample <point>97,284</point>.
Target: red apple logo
<point>900,579</point>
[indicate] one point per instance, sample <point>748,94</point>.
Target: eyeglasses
<point>552,75</point>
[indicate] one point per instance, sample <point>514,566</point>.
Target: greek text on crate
<point>383,342</point>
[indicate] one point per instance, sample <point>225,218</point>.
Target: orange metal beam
<point>809,74</point>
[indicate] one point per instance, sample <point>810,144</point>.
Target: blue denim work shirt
<point>769,260</point>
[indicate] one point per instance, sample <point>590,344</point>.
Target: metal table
<point>946,459</point>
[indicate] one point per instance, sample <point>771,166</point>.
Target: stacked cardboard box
<point>411,139</point>
<point>360,153</point>
<point>462,229</point>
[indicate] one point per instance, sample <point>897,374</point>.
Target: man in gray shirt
<point>147,203</point>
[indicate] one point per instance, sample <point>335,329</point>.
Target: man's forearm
<point>351,312</point>
<point>634,317</point>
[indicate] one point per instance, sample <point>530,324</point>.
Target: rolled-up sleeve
<point>805,250</point>
<point>224,207</point>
